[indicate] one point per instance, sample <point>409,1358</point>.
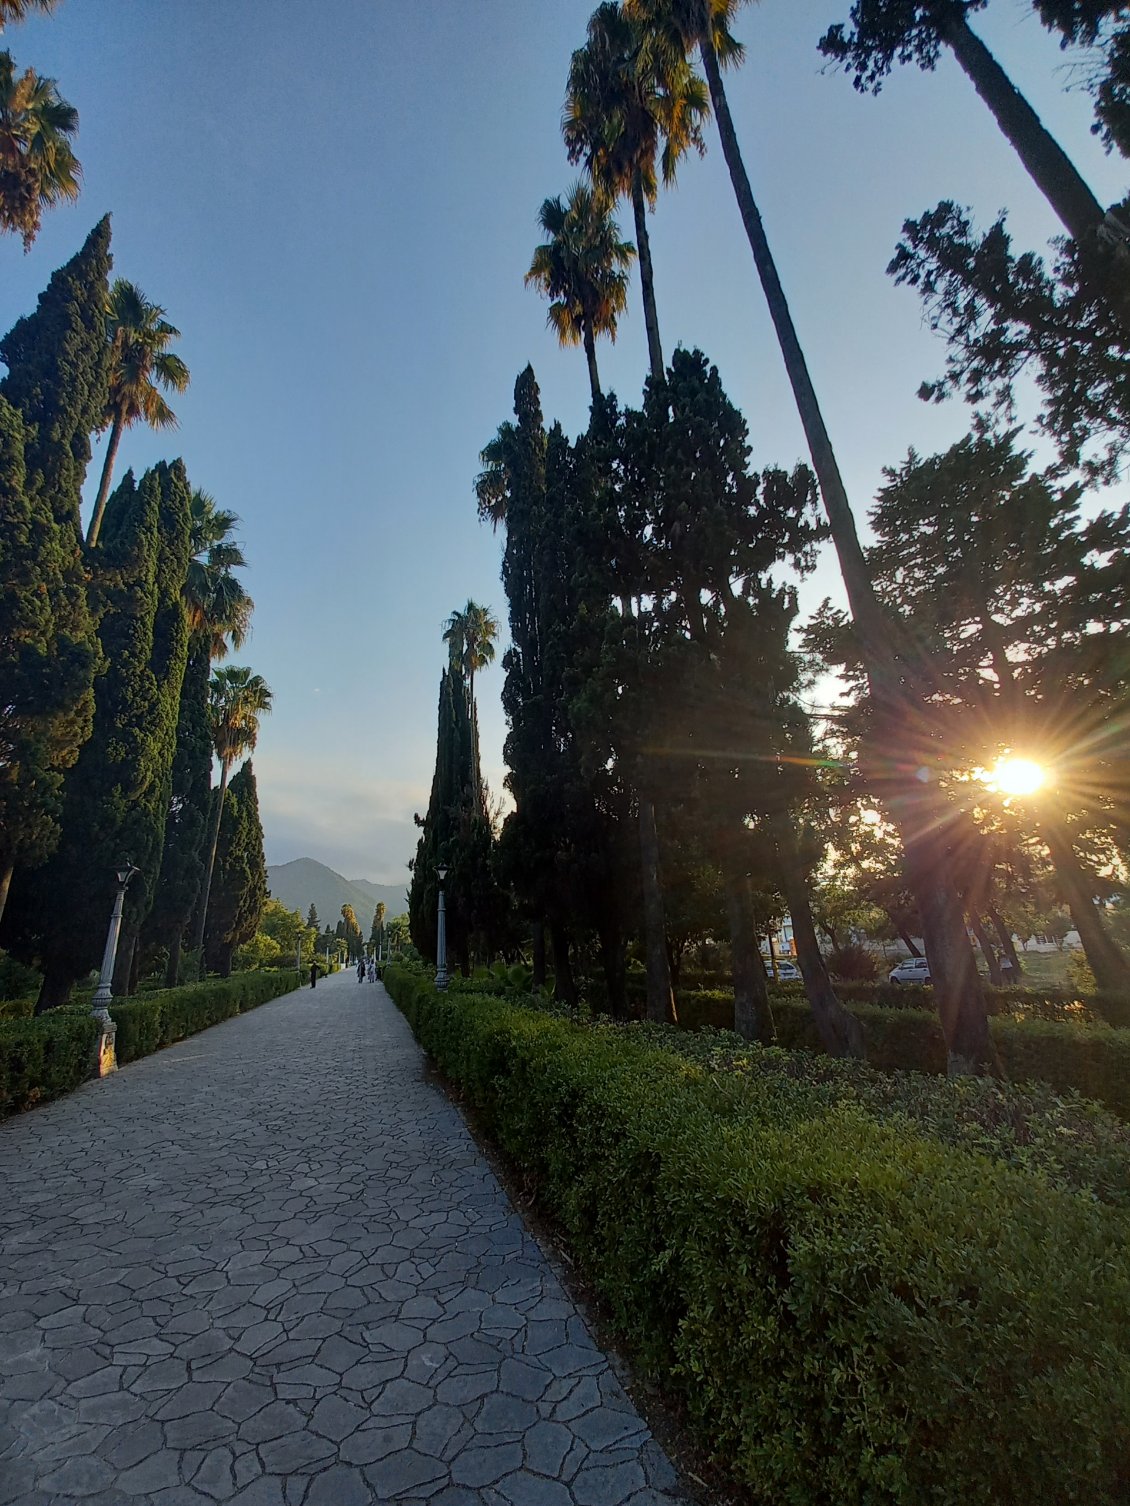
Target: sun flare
<point>1015,776</point>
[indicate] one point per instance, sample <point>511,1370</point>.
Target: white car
<point>787,972</point>
<point>913,970</point>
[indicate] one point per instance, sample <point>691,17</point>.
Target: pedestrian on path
<point>361,970</point>
<point>372,971</point>
<point>313,975</point>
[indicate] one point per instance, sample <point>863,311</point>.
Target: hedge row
<point>1093,1060</point>
<point>850,1313</point>
<point>45,1057</point>
<point>147,1024</point>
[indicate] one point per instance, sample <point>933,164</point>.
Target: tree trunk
<point>564,985</point>
<point>957,987</point>
<point>840,1032</point>
<point>123,961</point>
<point>172,970</point>
<point>752,1016</point>
<point>590,357</point>
<point>907,940</point>
<point>660,997</point>
<point>5,885</point>
<point>206,887</point>
<point>988,951</point>
<point>647,279</point>
<point>538,980</point>
<point>1104,956</point>
<point>1008,946</point>
<point>55,988</point>
<point>224,968</point>
<point>1047,164</point>
<point>612,958</point>
<point>104,484</point>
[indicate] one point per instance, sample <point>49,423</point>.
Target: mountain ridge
<point>304,882</point>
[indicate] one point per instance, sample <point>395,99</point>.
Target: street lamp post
<point>441,934</point>
<point>100,1004</point>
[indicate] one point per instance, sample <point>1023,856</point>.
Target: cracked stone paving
<point>270,1266</point>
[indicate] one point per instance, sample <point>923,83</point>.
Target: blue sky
<point>335,203</point>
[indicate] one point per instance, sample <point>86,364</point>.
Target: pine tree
<point>55,386</point>
<point>312,919</point>
<point>116,796</point>
<point>239,884</point>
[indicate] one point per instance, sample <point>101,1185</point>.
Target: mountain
<point>305,882</point>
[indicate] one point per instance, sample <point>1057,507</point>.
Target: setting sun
<point>1015,776</point>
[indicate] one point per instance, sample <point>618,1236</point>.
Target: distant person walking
<point>361,970</point>
<point>372,971</point>
<point>313,975</point>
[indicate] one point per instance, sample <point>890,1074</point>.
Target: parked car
<point>787,972</point>
<point>913,970</point>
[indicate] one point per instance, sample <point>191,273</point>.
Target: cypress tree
<point>239,880</point>
<point>52,398</point>
<point>182,862</point>
<point>116,796</point>
<point>144,833</point>
<point>451,791</point>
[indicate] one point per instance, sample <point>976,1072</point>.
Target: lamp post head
<point>126,872</point>
<point>441,873</point>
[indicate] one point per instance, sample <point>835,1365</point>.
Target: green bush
<point>44,1058</point>
<point>17,1009</point>
<point>851,1313</point>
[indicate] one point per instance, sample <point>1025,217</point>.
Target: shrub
<point>17,1009</point>
<point>44,1058</point>
<point>852,1312</point>
<point>852,962</point>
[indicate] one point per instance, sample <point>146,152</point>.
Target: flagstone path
<point>270,1266</point>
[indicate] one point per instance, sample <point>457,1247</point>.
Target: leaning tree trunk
<point>213,842</point>
<point>590,357</point>
<point>612,960</point>
<point>564,984</point>
<point>1008,946</point>
<point>123,961</point>
<point>1045,161</point>
<point>840,1032</point>
<point>5,885</point>
<point>104,484</point>
<point>957,988</point>
<point>1104,956</point>
<point>660,995</point>
<point>538,979</point>
<point>647,279</point>
<point>753,1018</point>
<point>988,951</point>
<point>55,988</point>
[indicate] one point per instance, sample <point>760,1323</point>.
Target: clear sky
<point>335,203</point>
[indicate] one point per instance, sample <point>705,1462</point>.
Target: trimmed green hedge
<point>851,1313</point>
<point>147,1024</point>
<point>1090,1059</point>
<point>44,1058</point>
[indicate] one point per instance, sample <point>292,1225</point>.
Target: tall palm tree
<point>140,365</point>
<point>471,636</point>
<point>218,604</point>
<point>237,699</point>
<point>679,26</point>
<point>890,30</point>
<point>622,101</point>
<point>582,267</point>
<point>38,166</point>
<point>19,10</point>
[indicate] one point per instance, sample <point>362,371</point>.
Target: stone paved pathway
<point>269,1266</point>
